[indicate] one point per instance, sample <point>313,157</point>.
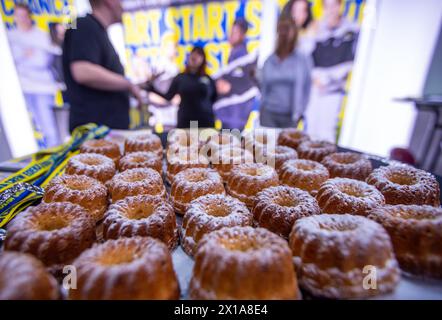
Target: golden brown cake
<point>243,263</point>
<point>277,208</point>
<point>211,212</point>
<point>144,215</point>
<point>185,158</point>
<point>225,159</point>
<point>143,142</point>
<point>348,165</point>
<point>246,180</point>
<point>342,195</point>
<point>303,174</point>
<point>402,184</point>
<point>93,165</point>
<point>315,150</point>
<point>416,233</point>
<point>107,148</point>
<point>135,182</point>
<point>137,268</point>
<point>23,277</point>
<point>192,183</point>
<point>335,253</point>
<point>292,138</point>
<point>141,159</point>
<point>56,233</point>
<point>276,157</point>
<point>85,191</point>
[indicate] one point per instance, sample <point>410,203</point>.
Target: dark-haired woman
<point>196,90</point>
<point>301,13</point>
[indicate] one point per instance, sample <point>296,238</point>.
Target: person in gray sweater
<point>285,80</point>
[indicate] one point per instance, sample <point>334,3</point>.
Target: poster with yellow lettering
<point>160,34</point>
<point>35,30</point>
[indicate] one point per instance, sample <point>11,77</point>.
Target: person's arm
<point>84,53</point>
<point>171,92</point>
<point>95,76</point>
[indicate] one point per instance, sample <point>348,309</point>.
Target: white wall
<point>394,52</point>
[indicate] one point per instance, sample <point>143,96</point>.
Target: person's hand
<point>223,86</point>
<point>148,86</point>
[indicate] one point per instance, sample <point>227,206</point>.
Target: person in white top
<point>33,53</point>
<point>333,55</point>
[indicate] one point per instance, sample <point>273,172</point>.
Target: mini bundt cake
<point>85,191</point>
<point>225,159</point>
<point>137,268</point>
<point>144,215</point>
<point>23,277</point>
<point>141,159</point>
<point>416,233</point>
<point>333,255</point>
<point>292,138</point>
<point>402,184</point>
<point>144,142</point>
<point>315,150</point>
<point>303,174</point>
<point>93,165</point>
<point>348,165</point>
<point>107,148</point>
<point>192,183</point>
<point>277,208</point>
<point>246,180</point>
<point>211,212</point>
<point>276,158</point>
<point>56,233</point>
<point>185,158</point>
<point>342,195</point>
<point>135,182</point>
<point>243,263</point>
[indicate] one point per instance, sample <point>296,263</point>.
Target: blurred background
<point>376,77</point>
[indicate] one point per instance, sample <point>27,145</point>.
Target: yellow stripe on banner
<point>351,11</point>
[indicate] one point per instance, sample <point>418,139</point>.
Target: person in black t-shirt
<point>96,87</point>
<point>197,91</point>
